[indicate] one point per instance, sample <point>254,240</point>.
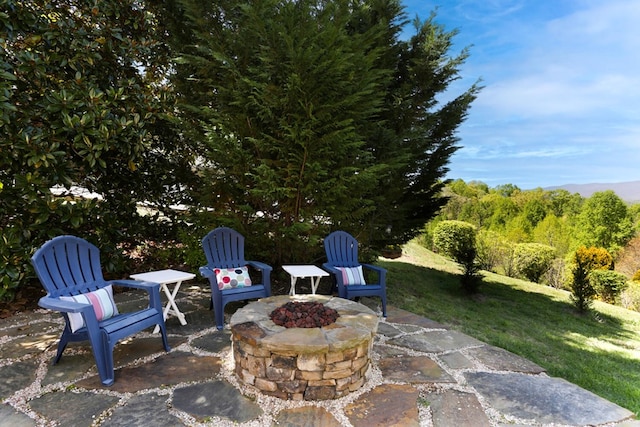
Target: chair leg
<point>165,340</point>
<point>109,374</point>
<point>102,351</point>
<point>219,314</point>
<point>62,344</point>
<point>217,304</point>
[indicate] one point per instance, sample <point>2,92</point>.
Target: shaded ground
<point>25,299</point>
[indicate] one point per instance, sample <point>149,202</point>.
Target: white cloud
<point>562,84</point>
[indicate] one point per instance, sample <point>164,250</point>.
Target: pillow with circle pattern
<point>231,278</point>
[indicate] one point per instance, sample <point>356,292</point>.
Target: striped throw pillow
<point>102,302</point>
<point>352,275</point>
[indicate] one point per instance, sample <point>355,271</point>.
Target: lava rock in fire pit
<point>296,314</point>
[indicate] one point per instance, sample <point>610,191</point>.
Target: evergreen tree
<point>316,116</point>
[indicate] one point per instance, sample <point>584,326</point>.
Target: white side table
<point>165,278</point>
<point>301,271</point>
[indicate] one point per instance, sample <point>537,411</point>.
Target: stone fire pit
<point>303,363</point>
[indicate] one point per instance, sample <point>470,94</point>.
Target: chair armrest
<point>331,269</point>
<point>152,288</point>
<point>136,284</point>
<point>374,268</point>
<point>206,271</point>
<point>260,266</point>
<point>382,272</point>
<point>57,304</point>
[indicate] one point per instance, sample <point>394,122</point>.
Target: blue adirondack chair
<point>227,271</point>
<point>341,249</point>
<point>69,269</point>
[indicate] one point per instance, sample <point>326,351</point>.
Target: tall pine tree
<point>316,116</point>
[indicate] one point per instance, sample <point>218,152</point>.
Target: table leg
<point>171,307</point>
<point>175,311</point>
<point>292,291</point>
<point>315,281</point>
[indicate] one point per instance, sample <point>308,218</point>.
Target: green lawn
<point>599,351</point>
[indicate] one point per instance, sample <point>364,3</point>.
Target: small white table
<point>302,271</point>
<point>165,278</point>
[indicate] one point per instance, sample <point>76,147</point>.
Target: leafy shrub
<point>630,297</point>
<point>491,250</point>
<point>608,284</point>
<point>457,240</point>
<point>454,239</point>
<point>594,258</point>
<point>555,276</point>
<point>587,261</point>
<point>532,260</point>
<point>471,278</point>
<point>582,292</point>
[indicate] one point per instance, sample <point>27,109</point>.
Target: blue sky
<point>561,103</point>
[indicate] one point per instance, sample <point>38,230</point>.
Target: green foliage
<point>604,221</point>
<point>495,253</point>
<point>532,260</point>
<point>518,229</point>
<point>594,258</point>
<point>454,239</point>
<point>553,231</point>
<point>457,240</point>
<point>588,261</point>
<point>582,292</point>
<point>81,105</point>
<point>556,275</point>
<point>608,284</point>
<point>315,116</point>
<point>489,246</point>
<point>630,296</point>
<point>507,217</point>
<point>636,276</point>
<point>471,278</point>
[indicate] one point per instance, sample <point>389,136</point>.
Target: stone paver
<point>456,360</point>
<point>386,405</point>
<point>436,341</point>
<point>214,342</point>
<point>215,399</point>
<point>544,399</point>
<point>10,417</point>
<point>423,374</point>
<point>171,369</point>
<point>16,377</point>
<point>29,345</point>
<point>413,369</point>
<point>71,408</point>
<point>501,360</point>
<point>142,411</point>
<point>456,408</point>
<point>306,416</point>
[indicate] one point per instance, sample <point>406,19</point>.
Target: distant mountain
<point>627,191</point>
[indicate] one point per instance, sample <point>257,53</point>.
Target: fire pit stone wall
<point>303,363</point>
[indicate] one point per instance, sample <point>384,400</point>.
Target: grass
<point>599,351</point>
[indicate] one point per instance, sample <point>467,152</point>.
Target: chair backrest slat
<point>224,248</point>
<point>341,249</point>
<point>68,265</point>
